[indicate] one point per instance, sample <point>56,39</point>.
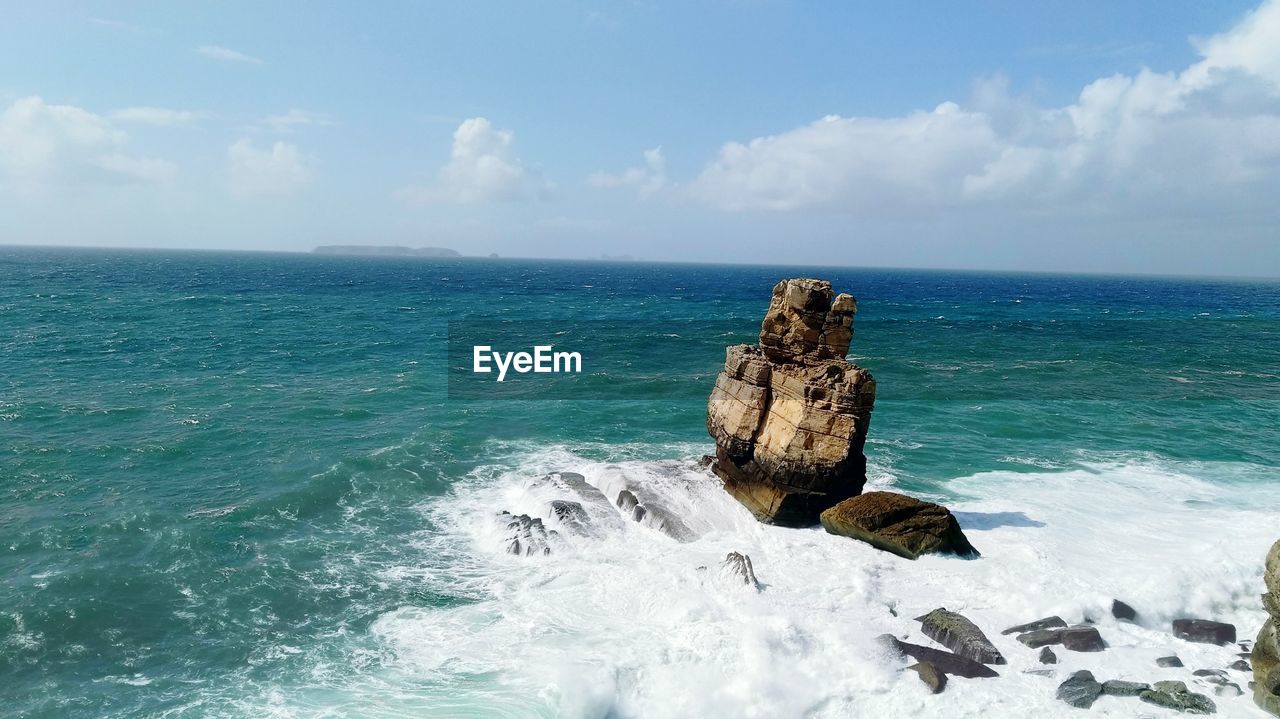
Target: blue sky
<point>1128,137</point>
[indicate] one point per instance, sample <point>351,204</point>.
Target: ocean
<point>246,485</point>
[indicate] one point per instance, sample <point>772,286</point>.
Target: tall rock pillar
<point>790,415</point>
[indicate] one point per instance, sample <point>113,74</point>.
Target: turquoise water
<point>220,471</point>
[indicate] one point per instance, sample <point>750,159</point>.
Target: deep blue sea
<point>242,485</point>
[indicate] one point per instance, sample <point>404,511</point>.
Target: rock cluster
<point>790,415</point>
<point>1266,651</point>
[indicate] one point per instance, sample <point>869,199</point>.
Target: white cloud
<point>276,170</point>
<point>142,169</point>
<point>1207,137</point>
<point>482,168</point>
<point>43,145</point>
<point>294,118</point>
<point>647,179</point>
<point>226,54</point>
<point>159,116</point>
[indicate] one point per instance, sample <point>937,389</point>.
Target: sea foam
<point>627,623</point>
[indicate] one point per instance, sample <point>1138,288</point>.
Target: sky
<point>1090,136</point>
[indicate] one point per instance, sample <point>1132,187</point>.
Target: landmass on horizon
<point>386,251</point>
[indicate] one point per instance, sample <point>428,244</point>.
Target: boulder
<point>1123,612</point>
<point>943,661</point>
<point>1080,690</point>
<point>1204,631</point>
<point>1046,623</point>
<point>1117,688</point>
<point>1082,639</point>
<point>790,415</point>
<point>1240,665</point>
<point>1170,662</point>
<point>899,524</point>
<point>1178,699</point>
<point>1047,656</point>
<point>1041,638</point>
<point>960,635</point>
<point>929,674</point>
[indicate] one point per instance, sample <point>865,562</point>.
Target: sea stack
<point>1266,651</point>
<point>790,415</point>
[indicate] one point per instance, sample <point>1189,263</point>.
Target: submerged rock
<point>944,661</point>
<point>960,635</point>
<point>899,524</point>
<point>1046,623</point>
<point>790,415</point>
<point>1080,690</point>
<point>1169,662</point>
<point>1204,631</point>
<point>570,515</point>
<point>627,501</point>
<point>738,567</point>
<point>1240,665</point>
<point>929,674</point>
<point>525,535</point>
<point>643,505</point>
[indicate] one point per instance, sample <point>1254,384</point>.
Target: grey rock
<point>525,535</point>
<point>929,674</point>
<point>1170,687</point>
<point>960,635</point>
<point>1170,662</point>
<point>1209,673</point>
<point>1123,611</point>
<point>1081,690</point>
<point>1037,625</point>
<point>1204,631</point>
<point>571,516</point>
<point>1186,702</point>
<point>1082,639</point>
<point>738,567</point>
<point>1241,666</point>
<point>1047,656</point>
<point>946,662</point>
<point>627,501</point>
<point>1229,690</point>
<point>1041,638</point>
<point>1118,688</point>
<point>1039,672</point>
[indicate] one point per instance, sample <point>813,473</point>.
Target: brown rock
<point>790,415</point>
<point>929,674</point>
<point>899,524</point>
<point>1204,631</point>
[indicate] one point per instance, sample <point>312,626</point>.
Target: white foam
<point>625,624</point>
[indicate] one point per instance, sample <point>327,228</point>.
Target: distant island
<point>386,251</point>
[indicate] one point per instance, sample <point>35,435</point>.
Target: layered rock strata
<point>790,415</point>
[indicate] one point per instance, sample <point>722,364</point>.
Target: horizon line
<point>644,261</point>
